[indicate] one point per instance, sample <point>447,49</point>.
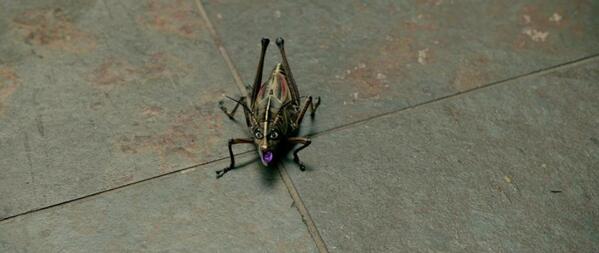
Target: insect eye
<point>273,135</point>
<point>258,134</point>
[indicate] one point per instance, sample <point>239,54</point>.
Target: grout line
<point>301,208</point>
<point>539,72</point>
<point>221,48</point>
<point>286,179</point>
<point>118,187</point>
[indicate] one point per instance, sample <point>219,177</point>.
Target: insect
<point>273,113</point>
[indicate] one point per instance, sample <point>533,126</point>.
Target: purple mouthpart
<point>267,156</point>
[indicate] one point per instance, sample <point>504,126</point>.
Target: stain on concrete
<point>409,44</point>
<point>114,71</point>
<point>369,78</point>
<point>429,3</point>
<point>117,71</point>
<point>173,17</point>
<point>471,74</point>
<point>125,179</point>
<point>533,26</point>
<point>422,22</point>
<point>152,111</point>
<point>541,26</point>
<point>52,28</point>
<point>454,112</point>
<point>9,82</point>
<point>367,85</point>
<point>192,134</point>
<point>296,245</point>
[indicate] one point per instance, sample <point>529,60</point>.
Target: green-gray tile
<point>247,211</point>
<point>508,168</point>
<point>97,94</point>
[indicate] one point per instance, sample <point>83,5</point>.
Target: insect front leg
<point>309,104</point>
<point>299,140</point>
<point>220,173</point>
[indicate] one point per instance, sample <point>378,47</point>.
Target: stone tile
<point>246,211</point>
<point>94,95</point>
<point>369,57</point>
<point>508,168</point>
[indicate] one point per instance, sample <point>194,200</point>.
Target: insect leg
<point>231,114</point>
<point>258,80</point>
<point>299,140</point>
<point>281,44</point>
<point>314,106</point>
<point>220,173</point>
<point>309,104</point>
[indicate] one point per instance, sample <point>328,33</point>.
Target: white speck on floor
<point>535,35</point>
<point>555,18</point>
<point>422,56</point>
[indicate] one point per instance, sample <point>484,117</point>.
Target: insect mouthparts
<point>267,156</point>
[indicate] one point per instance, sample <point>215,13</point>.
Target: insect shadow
<point>268,176</point>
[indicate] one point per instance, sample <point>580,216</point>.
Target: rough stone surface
<point>248,211</point>
<point>369,57</point>
<point>511,168</point>
<point>98,94</point>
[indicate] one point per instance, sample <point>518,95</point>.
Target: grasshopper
<point>273,113</point>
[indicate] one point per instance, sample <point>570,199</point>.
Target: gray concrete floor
<point>445,126</point>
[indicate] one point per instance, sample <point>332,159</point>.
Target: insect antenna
<point>245,107</point>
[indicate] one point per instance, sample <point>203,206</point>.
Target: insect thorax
<point>275,103</point>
